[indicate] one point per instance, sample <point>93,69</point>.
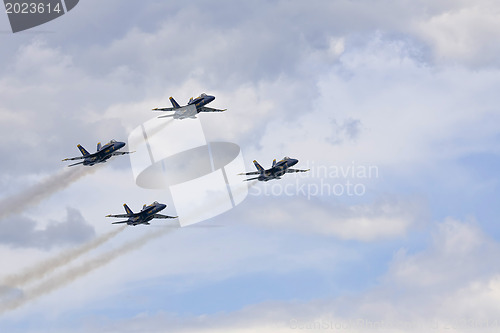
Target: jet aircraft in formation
<point>102,155</point>
<point>277,170</point>
<point>193,107</point>
<point>147,213</point>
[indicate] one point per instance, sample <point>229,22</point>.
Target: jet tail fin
<point>258,166</point>
<point>128,210</point>
<point>99,146</point>
<point>174,103</point>
<point>83,150</point>
<point>274,162</point>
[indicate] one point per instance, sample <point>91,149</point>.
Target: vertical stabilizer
<point>174,103</point>
<point>83,150</point>
<point>258,166</point>
<point>128,210</point>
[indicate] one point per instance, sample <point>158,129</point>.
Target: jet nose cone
<point>293,161</point>
<point>163,206</point>
<point>210,98</point>
<point>120,144</point>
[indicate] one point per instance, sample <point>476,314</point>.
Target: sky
<point>392,105</point>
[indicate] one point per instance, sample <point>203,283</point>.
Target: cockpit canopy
<point>286,158</point>
<point>112,141</point>
<point>203,95</point>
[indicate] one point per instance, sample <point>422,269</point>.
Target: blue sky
<point>407,87</point>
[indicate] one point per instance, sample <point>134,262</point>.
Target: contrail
<point>74,273</point>
<point>42,269</point>
<point>38,192</point>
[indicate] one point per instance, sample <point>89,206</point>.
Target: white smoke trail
<point>74,273</point>
<point>38,192</point>
<point>44,268</point>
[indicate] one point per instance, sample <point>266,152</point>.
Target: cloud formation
<point>70,274</point>
<point>388,218</point>
<point>34,194</point>
<point>442,287</point>
<point>409,86</point>
<point>22,231</point>
<point>40,270</point>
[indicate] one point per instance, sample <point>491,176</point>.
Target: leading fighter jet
<point>102,155</point>
<point>277,170</point>
<point>193,107</point>
<point>147,213</point>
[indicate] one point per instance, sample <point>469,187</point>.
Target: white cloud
<point>385,218</point>
<point>329,82</point>
<point>21,231</point>
<point>466,297</point>
<point>465,34</point>
<point>409,116</point>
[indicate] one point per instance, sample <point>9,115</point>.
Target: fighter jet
<point>277,170</point>
<point>102,155</point>
<point>147,213</point>
<point>193,107</point>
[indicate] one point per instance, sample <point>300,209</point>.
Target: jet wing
<point>115,153</point>
<point>76,163</point>
<point>119,222</point>
<point>207,109</point>
<point>245,180</point>
<point>167,115</point>
<point>163,109</point>
<point>161,216</point>
<point>74,158</point>
<point>295,170</point>
<point>249,173</point>
<point>118,215</point>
